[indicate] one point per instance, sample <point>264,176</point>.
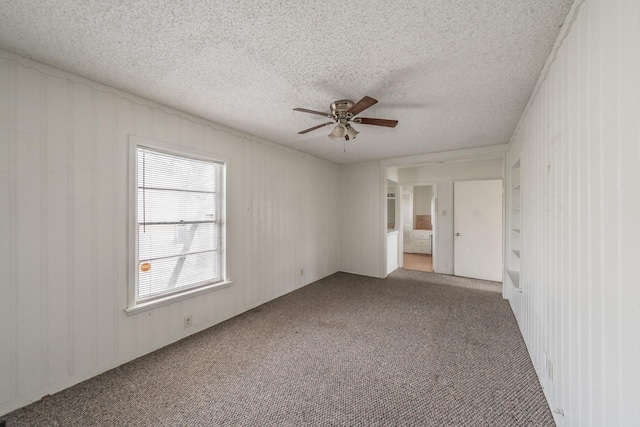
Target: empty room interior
<point>320,213</point>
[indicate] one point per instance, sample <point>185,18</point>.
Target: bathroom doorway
<point>418,220</point>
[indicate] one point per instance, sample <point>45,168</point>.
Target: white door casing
<point>477,220</point>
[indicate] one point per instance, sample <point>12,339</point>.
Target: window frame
<point>133,305</point>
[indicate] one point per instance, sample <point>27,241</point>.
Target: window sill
<point>150,305</point>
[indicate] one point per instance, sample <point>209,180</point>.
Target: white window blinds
<point>179,220</point>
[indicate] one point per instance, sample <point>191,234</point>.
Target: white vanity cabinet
<point>421,241</point>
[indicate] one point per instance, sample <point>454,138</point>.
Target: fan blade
<point>361,105</point>
<point>304,110</point>
<point>315,127</point>
<point>376,122</point>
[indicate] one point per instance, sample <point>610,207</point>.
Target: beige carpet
<point>415,349</point>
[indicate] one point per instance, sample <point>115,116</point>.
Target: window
<point>179,228</point>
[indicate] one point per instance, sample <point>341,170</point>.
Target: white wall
<point>406,204</point>
<point>392,174</point>
<point>362,219</point>
<point>580,144</point>
<point>63,227</point>
<point>443,175</point>
<point>422,200</point>
<point>392,251</point>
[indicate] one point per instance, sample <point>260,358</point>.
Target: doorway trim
<point>434,215</point>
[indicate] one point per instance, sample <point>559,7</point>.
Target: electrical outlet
<point>302,271</point>
<point>188,321</point>
<point>550,369</point>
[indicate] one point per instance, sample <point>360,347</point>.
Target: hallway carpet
<point>414,349</point>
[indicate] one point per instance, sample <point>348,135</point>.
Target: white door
<point>477,223</point>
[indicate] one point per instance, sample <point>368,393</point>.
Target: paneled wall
<point>63,227</point>
<point>579,143</point>
<point>362,228</point>
<point>443,176</point>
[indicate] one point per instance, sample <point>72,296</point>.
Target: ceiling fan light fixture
<point>338,132</point>
<point>351,133</point>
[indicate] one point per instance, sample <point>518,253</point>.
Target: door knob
<point>457,234</point>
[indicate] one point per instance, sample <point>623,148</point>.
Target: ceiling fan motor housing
<point>339,109</point>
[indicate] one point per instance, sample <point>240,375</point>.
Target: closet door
<point>477,222</point>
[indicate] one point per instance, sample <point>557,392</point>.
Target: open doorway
<point>417,207</point>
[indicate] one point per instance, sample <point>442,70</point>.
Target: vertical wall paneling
<point>259,196</point>
<point>611,227</point>
<point>361,207</point>
<point>104,198</point>
<point>7,235</point>
<point>83,229</point>
<point>628,159</point>
<point>56,189</point>
<point>582,368</point>
<point>251,295</point>
<point>580,145</point>
<point>29,239</point>
<point>44,238</point>
<point>64,192</point>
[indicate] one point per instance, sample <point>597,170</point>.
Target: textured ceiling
<point>455,73</point>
